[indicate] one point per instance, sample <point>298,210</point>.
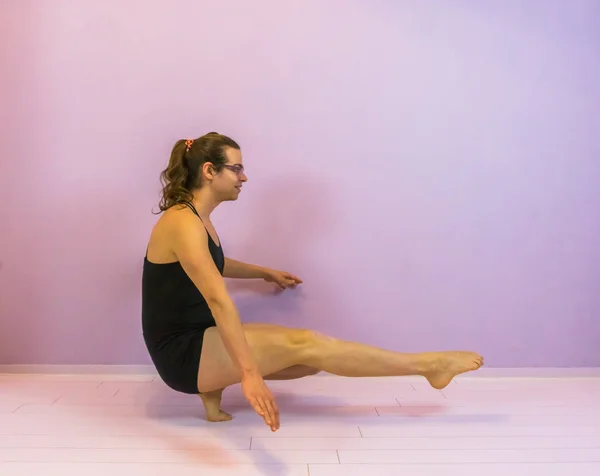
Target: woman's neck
<point>204,202</point>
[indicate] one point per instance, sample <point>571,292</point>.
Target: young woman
<point>190,324</point>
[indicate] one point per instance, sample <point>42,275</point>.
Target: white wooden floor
<point>134,425</point>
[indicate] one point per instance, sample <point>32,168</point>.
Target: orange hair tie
<point>188,144</point>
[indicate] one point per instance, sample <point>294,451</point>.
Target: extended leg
<point>276,348</point>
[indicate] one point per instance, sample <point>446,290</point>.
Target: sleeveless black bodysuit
<point>175,316</point>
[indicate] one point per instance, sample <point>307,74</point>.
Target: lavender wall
<point>431,169</point>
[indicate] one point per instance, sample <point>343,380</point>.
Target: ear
<point>208,170</point>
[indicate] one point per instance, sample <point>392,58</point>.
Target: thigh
<point>292,373</point>
<point>274,348</point>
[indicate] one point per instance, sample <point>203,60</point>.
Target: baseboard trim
<point>78,369</point>
<point>149,370</point>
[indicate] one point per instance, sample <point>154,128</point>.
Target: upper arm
<point>189,240</point>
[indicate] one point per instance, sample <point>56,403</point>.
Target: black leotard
<point>174,318</point>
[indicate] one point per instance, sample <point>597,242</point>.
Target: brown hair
<point>183,174</point>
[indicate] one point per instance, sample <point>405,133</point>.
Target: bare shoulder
<point>186,235</point>
<point>177,228</point>
<point>180,220</point>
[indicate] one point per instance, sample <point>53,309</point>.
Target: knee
<point>306,339</point>
<point>305,345</point>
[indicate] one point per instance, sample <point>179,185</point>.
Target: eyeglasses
<point>237,168</point>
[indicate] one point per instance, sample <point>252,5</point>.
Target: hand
<point>283,279</point>
<point>261,399</point>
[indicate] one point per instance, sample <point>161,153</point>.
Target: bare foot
<point>444,366</point>
<point>212,405</point>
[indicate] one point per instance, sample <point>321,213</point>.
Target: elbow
<point>219,303</point>
<point>213,290</point>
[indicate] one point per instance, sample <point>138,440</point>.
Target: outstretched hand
<point>283,279</point>
<point>261,399</point>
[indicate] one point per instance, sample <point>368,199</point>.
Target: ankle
<point>425,363</point>
<point>214,394</point>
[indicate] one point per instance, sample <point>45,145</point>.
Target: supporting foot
<point>442,367</point>
<point>212,406</point>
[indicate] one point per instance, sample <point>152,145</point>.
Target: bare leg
<point>276,348</point>
<point>351,359</point>
<point>293,373</point>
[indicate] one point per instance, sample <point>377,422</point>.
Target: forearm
<point>237,269</point>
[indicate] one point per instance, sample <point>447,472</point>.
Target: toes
<point>220,417</point>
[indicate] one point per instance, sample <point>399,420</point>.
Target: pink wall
<point>430,169</point>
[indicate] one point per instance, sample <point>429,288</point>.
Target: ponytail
<point>176,178</point>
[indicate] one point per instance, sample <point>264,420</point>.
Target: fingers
<point>287,279</point>
<point>290,282</point>
<point>292,279</point>
<point>258,407</point>
<point>272,414</point>
<point>267,409</point>
<point>283,284</point>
